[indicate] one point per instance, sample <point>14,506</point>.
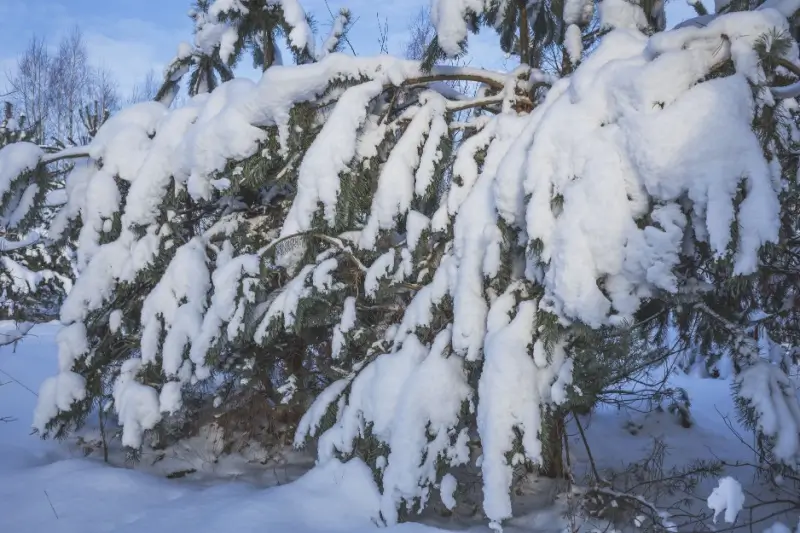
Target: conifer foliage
<point>33,277</point>
<point>434,274</point>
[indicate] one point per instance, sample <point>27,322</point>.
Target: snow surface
<point>727,498</point>
<point>50,486</point>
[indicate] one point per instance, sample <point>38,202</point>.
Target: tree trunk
<point>552,445</point>
<point>524,35</point>
<point>268,48</point>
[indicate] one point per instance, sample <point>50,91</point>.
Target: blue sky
<point>131,37</point>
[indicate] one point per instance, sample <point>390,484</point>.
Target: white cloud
<point>130,48</point>
<point>120,39</point>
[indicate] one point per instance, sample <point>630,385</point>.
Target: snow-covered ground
<point>51,487</point>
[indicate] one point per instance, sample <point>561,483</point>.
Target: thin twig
<point>18,382</point>
<point>344,34</point>
<point>588,449</point>
<point>51,504</point>
<point>320,236</point>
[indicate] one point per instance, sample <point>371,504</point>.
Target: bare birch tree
<point>56,91</point>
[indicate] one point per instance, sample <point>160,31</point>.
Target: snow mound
<point>727,498</point>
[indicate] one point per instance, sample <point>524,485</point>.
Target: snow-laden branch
<point>789,91</point>
<point>338,29</point>
<point>314,235</point>
<point>73,152</point>
<point>476,123</point>
<point>792,90</point>
<point>503,179</point>
<point>696,22</point>
<point>495,80</point>
<point>481,102</point>
<point>10,337</point>
<point>7,245</point>
<point>55,198</point>
<point>733,328</point>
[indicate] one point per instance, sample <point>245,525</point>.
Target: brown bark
<point>553,446</point>
<point>524,34</point>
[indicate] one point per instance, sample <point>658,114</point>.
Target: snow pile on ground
<point>87,496</point>
<point>50,486</point>
<point>727,498</point>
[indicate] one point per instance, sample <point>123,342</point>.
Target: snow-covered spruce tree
<point>255,402</point>
<point>614,209</point>
<point>140,236</point>
<point>33,277</point>
<point>225,31</point>
<point>747,326</point>
<point>449,273</point>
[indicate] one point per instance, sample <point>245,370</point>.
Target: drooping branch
<point>788,65</point>
<point>311,234</point>
<point>481,102</point>
<point>789,91</point>
<point>9,246</point>
<point>10,337</point>
<point>455,73</point>
<point>74,152</point>
<point>696,22</point>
